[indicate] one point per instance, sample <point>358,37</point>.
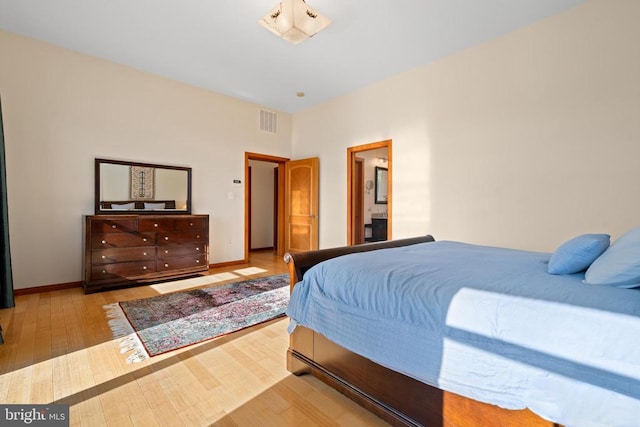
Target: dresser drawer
<point>169,251</point>
<point>197,223</point>
<point>154,225</point>
<point>181,237</point>
<point>130,249</point>
<point>182,262</point>
<point>122,270</point>
<point>108,256</point>
<point>121,240</point>
<point>125,225</point>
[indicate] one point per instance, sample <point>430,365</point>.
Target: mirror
<point>141,188</point>
<point>381,186</point>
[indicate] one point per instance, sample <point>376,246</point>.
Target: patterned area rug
<point>156,325</point>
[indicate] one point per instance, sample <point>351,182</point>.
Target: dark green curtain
<point>6,278</point>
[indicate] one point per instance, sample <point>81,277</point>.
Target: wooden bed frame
<point>396,398</point>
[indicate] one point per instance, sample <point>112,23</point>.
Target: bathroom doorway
<point>369,195</point>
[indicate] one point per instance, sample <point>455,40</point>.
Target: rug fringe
<point>122,330</point>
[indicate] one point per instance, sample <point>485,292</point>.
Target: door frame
<point>358,232</point>
<point>280,225</point>
<point>351,159</point>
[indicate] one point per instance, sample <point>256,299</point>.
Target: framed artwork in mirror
<point>142,182</point>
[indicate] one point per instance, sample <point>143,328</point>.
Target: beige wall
<point>523,142</point>
<point>63,109</point>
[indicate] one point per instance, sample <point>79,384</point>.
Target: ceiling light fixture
<point>294,21</point>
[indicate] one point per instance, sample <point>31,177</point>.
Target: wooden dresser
<point>125,250</point>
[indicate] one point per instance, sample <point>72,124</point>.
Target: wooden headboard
<point>300,262</point>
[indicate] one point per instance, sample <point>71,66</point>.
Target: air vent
<point>268,121</point>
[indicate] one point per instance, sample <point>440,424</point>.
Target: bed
<point>507,343</point>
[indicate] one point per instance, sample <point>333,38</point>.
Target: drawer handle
<point>166,238</point>
<point>166,265</point>
<point>155,225</point>
<point>104,242</point>
<point>103,257</point>
<point>197,261</point>
<point>198,236</point>
<point>113,226</point>
<point>166,251</point>
<point>104,271</point>
<point>144,253</point>
<point>191,224</point>
<point>144,239</point>
<point>144,267</point>
<point>197,249</point>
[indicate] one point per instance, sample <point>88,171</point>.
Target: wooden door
<point>301,205</point>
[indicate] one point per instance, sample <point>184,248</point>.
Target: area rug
<point>152,326</point>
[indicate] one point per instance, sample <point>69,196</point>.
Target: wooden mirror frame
<point>98,203</point>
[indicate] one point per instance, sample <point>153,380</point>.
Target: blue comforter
<point>487,323</point>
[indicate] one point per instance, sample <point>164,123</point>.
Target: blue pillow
<point>619,265</point>
<point>577,254</point>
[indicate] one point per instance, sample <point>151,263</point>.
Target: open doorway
<point>295,196</point>
<point>369,196</point>
<point>264,203</point>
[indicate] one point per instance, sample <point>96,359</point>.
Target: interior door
<point>301,205</point>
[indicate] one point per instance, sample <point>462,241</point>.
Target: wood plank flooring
<point>59,348</point>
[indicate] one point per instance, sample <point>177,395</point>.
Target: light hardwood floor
<point>59,348</point>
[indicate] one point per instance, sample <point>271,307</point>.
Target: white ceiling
<point>218,44</point>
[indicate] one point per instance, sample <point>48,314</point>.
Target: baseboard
<point>227,263</point>
<point>60,286</point>
<point>47,288</point>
